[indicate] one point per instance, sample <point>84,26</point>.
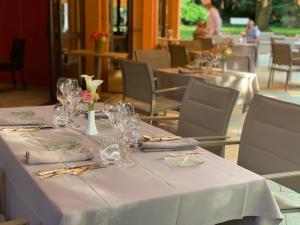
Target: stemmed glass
<point>68,94</point>
<point>126,127</point>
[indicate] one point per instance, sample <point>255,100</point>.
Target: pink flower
<point>87,97</point>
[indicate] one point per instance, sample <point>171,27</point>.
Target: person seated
<point>252,33</point>
<point>200,29</point>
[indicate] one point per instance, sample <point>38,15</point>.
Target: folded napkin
<point>175,145</point>
<point>41,157</point>
<point>185,161</point>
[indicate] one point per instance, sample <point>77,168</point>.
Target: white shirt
<point>214,22</point>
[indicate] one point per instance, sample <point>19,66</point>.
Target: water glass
<point>109,149</point>
<point>60,116</point>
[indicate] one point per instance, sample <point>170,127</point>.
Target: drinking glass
<point>60,116</point>
<point>109,149</point>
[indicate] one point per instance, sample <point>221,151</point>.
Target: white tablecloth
<point>245,83</point>
<point>147,194</point>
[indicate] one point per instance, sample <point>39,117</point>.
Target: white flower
<point>94,85</point>
<point>88,81</point>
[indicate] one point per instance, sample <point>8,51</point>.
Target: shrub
<point>192,12</point>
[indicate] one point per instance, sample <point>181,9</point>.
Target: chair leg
<point>23,80</point>
<point>12,72</point>
<point>287,80</point>
<point>270,77</point>
<point>270,62</point>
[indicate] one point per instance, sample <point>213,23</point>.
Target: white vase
<point>91,128</point>
<point>224,66</point>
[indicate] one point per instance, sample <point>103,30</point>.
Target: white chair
<point>158,58</point>
<point>284,61</point>
<point>2,204</point>
<point>139,87</point>
<point>269,145</point>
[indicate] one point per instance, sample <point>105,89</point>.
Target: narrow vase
<point>99,47</point>
<point>224,66</point>
<point>91,125</point>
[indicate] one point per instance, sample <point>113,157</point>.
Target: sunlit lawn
<point>186,31</point>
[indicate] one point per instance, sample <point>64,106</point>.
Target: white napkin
<point>41,157</point>
<point>175,145</point>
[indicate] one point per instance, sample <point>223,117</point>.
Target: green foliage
<point>192,12</point>
<point>290,14</point>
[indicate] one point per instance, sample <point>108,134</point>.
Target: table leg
<point>79,66</point>
<point>97,67</point>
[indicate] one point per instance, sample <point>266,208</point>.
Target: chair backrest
<point>138,82</point>
<point>2,191</point>
<point>270,138</point>
<point>206,110</point>
<point>158,58</point>
<point>206,43</point>
<point>191,44</point>
<point>282,53</point>
<point>179,55</point>
<point>17,53</point>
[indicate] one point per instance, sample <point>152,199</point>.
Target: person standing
<point>214,21</point>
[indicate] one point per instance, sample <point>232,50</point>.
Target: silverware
<point>161,138</point>
<point>25,128</point>
<point>77,170</point>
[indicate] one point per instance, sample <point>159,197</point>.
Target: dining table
<point>148,193</point>
<point>246,83</point>
<point>98,56</point>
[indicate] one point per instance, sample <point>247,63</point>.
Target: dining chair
<point>284,61</point>
<point>179,55</point>
<point>139,88</point>
<point>273,40</point>
<point>2,204</point>
<point>205,112</point>
<point>158,58</point>
<point>206,43</point>
<point>194,45</point>
<point>269,145</point>
<point>16,60</point>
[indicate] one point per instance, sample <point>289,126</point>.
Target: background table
<point>97,58</point>
<point>148,194</point>
<point>245,83</point>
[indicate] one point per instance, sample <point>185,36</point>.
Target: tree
<point>263,13</point>
<point>192,12</point>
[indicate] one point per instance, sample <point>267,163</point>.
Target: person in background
<point>252,33</point>
<point>200,30</point>
<point>214,21</point>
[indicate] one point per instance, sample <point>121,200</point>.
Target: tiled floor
<point>11,97</point>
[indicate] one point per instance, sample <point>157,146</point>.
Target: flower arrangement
<point>99,40</point>
<point>98,36</point>
<point>90,95</point>
<point>224,51</point>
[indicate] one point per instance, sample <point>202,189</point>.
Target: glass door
<point>120,25</point>
<point>66,26</point>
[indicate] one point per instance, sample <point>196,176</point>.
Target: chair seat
<point>2,218</point>
<point>285,68</point>
<point>284,203</point>
<point>162,104</point>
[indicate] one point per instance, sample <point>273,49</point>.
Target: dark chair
<point>16,61</point>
